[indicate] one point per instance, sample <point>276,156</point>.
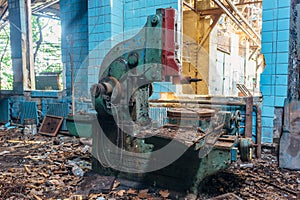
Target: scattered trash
<point>77,171</point>
<point>7,124</point>
<point>85,149</point>
<point>4,152</point>
<point>39,167</point>
<point>246,165</point>
<point>30,127</point>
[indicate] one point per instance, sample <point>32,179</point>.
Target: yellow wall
<point>195,57</point>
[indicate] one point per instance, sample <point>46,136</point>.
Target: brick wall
<point>275,47</point>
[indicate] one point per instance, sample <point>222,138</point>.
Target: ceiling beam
<point>213,11</point>
<point>208,31</point>
<point>39,8</point>
<point>243,19</point>
<point>189,6</point>
<point>234,18</point>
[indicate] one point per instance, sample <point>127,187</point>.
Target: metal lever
<point>189,80</point>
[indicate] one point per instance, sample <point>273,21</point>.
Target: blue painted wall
<point>74,18</point>
<point>275,47</point>
<point>91,28</point>
<point>112,21</point>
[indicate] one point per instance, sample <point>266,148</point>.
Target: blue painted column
<point>275,47</point>
<point>18,32</point>
<point>74,18</point>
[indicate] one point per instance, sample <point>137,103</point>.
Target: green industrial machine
<point>194,144</point>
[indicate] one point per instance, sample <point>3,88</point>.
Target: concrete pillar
<point>294,60</point>
<point>23,71</point>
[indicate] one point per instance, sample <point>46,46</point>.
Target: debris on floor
<point>42,167</point>
<point>261,179</point>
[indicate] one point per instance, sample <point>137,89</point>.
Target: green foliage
<point>6,76</point>
<point>48,56</point>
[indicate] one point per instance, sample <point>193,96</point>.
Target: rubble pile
<point>39,166</point>
<point>261,179</point>
<point>42,167</point>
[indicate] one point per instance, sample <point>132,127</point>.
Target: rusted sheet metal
<point>289,156</point>
<point>51,125</point>
<point>258,131</point>
<point>249,110</point>
<point>292,117</point>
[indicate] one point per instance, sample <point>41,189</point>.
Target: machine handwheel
<point>245,150</point>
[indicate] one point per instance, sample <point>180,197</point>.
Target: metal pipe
<point>44,6</point>
<point>235,20</point>
<point>243,19</point>
<point>249,110</point>
<point>218,10</point>
<point>258,130</point>
<point>237,103</point>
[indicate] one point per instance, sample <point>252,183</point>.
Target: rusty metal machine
<point>193,144</point>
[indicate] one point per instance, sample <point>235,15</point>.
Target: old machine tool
<point>193,144</point>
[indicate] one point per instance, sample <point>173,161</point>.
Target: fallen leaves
<point>164,193</point>
<point>120,193</point>
<point>132,192</point>
<point>34,168</point>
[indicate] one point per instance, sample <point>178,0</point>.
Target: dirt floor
<point>41,167</point>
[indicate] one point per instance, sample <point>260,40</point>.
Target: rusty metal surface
<point>51,125</point>
<point>289,156</point>
<point>187,136</point>
<point>258,131</point>
<point>249,110</point>
<point>190,113</point>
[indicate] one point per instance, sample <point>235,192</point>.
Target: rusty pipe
<point>236,103</point>
<point>258,130</point>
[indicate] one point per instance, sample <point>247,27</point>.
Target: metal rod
<point>214,10</point>
<point>45,6</point>
<point>249,110</point>
<point>237,103</point>
<point>235,20</point>
<point>4,10</point>
<point>243,19</point>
